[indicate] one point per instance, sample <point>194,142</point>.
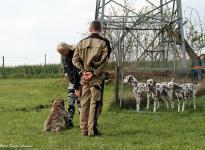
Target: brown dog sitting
<point>58,118</point>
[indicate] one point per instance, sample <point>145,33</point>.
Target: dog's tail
<point>172,80</point>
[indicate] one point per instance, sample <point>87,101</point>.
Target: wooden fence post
<point>45,61</point>
<point>3,67</point>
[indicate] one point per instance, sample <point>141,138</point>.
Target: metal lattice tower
<point>143,22</point>
<point>139,28</point>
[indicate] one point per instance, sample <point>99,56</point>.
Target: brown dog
<point>58,118</point>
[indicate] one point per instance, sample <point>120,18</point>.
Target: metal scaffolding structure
<point>145,26</point>
<point>139,28</point>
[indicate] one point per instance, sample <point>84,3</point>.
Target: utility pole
<point>181,29</point>
<point>117,75</point>
<point>150,25</point>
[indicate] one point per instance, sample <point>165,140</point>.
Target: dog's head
<point>174,86</point>
<point>151,83</point>
<point>141,88</point>
<point>58,102</point>
<point>171,84</point>
<point>129,79</point>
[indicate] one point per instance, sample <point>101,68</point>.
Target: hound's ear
<point>63,103</point>
<point>52,101</point>
<point>130,79</point>
<point>172,80</point>
<point>165,87</point>
<point>155,82</point>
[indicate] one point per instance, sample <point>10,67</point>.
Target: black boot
<point>67,123</point>
<point>71,124</point>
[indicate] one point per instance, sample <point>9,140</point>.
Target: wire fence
<point>144,72</point>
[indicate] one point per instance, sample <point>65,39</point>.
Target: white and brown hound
<point>157,91</point>
<point>138,90</point>
<point>183,92</point>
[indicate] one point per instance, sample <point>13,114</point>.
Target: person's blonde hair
<point>65,45</point>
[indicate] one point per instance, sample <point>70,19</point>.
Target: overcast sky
<point>31,28</point>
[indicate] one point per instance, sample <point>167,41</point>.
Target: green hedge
<point>32,71</point>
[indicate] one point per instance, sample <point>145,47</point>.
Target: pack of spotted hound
<point>167,92</point>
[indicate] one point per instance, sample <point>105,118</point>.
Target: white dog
<point>157,91</point>
<point>183,92</point>
<point>138,90</point>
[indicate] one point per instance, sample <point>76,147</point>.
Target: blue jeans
<point>198,73</point>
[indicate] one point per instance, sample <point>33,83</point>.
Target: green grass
<point>122,129</point>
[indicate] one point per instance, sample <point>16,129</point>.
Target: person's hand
<point>87,75</point>
<point>66,76</point>
<point>77,93</point>
<point>84,76</point>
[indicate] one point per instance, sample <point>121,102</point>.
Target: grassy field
<point>21,122</point>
